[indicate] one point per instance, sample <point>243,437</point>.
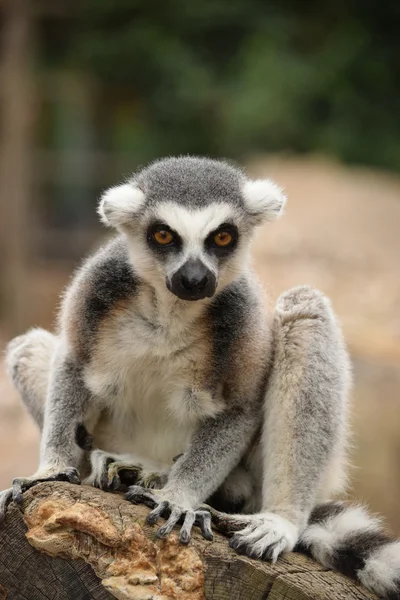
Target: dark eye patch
<point>163,249</point>
<point>220,251</point>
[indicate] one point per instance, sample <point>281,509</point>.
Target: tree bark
<point>95,545</point>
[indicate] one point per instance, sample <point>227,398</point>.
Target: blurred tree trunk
<point>15,157</point>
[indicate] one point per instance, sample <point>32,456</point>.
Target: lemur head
<point>189,222</point>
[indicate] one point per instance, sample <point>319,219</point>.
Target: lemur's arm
<point>66,407</point>
<point>216,448</point>
<point>304,427</point>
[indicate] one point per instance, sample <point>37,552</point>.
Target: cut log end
<point>96,545</point>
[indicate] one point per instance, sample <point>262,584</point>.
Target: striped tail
<point>345,538</point>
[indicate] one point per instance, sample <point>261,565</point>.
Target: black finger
<point>115,483</point>
<point>170,524</point>
<point>104,474</point>
<point>71,474</point>
<point>104,481</point>
<point>138,495</point>
<point>227,524</point>
<point>186,530</point>
<point>5,499</point>
<point>268,554</point>
<point>17,491</point>
<point>237,543</point>
<point>155,514</point>
<point>203,518</point>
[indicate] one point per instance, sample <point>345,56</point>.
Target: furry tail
<point>345,538</point>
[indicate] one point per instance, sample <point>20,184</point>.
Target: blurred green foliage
<point>234,77</point>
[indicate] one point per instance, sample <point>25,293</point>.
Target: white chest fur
<point>145,372</point>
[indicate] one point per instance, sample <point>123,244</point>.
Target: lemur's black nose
<point>193,281</point>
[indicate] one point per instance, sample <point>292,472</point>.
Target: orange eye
<point>223,238</point>
<point>163,237</point>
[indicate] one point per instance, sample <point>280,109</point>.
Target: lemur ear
<point>264,200</point>
<point>119,204</point>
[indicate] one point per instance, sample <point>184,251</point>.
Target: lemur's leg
<point>61,415</point>
<point>111,471</point>
<point>28,361</point>
<point>304,428</point>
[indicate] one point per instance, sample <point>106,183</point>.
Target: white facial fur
<point>193,226</point>
<point>124,207</point>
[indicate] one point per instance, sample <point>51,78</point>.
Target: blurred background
<point>304,92</point>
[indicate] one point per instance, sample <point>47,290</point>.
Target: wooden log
<point>71,542</point>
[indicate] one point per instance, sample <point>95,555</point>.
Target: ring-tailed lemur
<point>165,351</point>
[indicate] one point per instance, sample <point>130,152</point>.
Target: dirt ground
<point>341,233</point>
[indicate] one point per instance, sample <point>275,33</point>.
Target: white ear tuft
<point>119,204</point>
<point>264,199</point>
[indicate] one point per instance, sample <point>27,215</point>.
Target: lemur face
<point>193,247</point>
<point>189,222</point>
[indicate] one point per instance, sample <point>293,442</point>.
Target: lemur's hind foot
<point>113,472</point>
<point>28,360</point>
<point>264,535</point>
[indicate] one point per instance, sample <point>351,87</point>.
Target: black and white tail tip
<point>347,539</point>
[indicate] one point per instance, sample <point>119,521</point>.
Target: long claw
<point>156,513</point>
<point>5,499</point>
<point>139,495</point>
<point>17,491</point>
<point>177,513</point>
<point>186,530</point>
<point>71,474</point>
<point>115,483</point>
<point>22,484</point>
<point>276,551</point>
<point>104,476</point>
<point>236,542</point>
<point>203,518</point>
<point>166,529</point>
<point>224,522</point>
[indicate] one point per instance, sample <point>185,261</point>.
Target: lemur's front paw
<point>173,512</point>
<point>21,484</point>
<point>265,535</point>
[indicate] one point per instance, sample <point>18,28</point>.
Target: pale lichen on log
<point>109,534</point>
<point>97,545</point>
